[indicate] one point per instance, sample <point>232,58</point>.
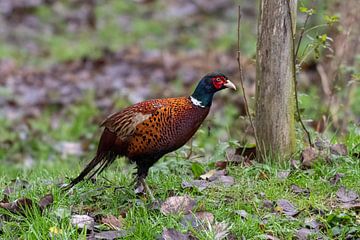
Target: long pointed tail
<point>104,157</point>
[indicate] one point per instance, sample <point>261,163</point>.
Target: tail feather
<point>104,158</point>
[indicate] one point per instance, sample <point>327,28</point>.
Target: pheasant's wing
<point>124,123</point>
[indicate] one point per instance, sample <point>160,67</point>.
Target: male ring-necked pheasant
<point>146,131</point>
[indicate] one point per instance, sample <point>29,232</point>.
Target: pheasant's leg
<point>141,184</point>
<point>147,189</point>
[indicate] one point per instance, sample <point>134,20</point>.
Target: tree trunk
<point>274,119</point>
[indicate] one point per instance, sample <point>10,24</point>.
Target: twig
<point>241,77</point>
<point>294,55</point>
<point>301,35</point>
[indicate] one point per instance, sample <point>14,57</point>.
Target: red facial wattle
<point>218,82</point>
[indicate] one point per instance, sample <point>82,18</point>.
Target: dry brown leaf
<point>286,207</point>
<point>225,180</point>
<point>113,222</point>
<point>221,230</point>
<point>298,190</point>
<point>198,220</point>
<point>19,206</point>
<point>282,175</point>
<point>199,184</point>
<point>177,204</point>
<point>353,206</point>
<point>172,234</point>
<point>308,157</point>
<point>213,175</point>
<point>345,195</point>
<point>46,201</point>
<point>339,149</point>
<point>82,221</point>
<point>304,233</point>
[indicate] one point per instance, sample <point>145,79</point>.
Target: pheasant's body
<point>144,132</point>
<point>148,130</point>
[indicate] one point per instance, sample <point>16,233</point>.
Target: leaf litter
<point>22,205</point>
<point>177,204</point>
<point>211,178</point>
<point>344,195</point>
<point>286,207</point>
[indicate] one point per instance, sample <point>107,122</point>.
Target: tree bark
<point>274,120</point>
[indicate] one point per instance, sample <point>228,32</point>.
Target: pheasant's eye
<point>218,79</point>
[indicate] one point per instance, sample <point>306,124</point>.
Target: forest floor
<point>243,200</point>
<point>63,70</point>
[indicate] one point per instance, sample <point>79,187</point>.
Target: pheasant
<point>148,130</point>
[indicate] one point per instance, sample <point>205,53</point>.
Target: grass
<point>36,140</point>
<point>253,184</point>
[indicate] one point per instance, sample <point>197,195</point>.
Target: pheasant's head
<point>208,85</point>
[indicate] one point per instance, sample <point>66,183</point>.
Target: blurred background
<point>67,64</point>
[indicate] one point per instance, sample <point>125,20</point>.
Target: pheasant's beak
<point>229,84</point>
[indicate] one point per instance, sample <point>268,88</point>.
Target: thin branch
<point>294,55</point>
<point>241,77</point>
<point>301,35</point>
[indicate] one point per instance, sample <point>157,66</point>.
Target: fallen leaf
<point>46,201</point>
<point>336,178</point>
<point>203,184</point>
<point>225,180</point>
<point>82,221</point>
<point>345,195</point>
<point>19,206</point>
<point>110,235</point>
<point>177,204</point>
<point>213,174</point>
<point>298,190</point>
<point>172,234</point>
<point>221,230</point>
<point>199,184</point>
<point>312,224</point>
<point>283,175</point>
<point>198,220</point>
<point>112,221</point>
<point>286,207</point>
<point>308,157</point>
<point>339,149</point>
<point>304,233</point>
<point>353,206</point>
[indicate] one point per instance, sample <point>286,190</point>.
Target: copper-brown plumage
<point>146,131</point>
